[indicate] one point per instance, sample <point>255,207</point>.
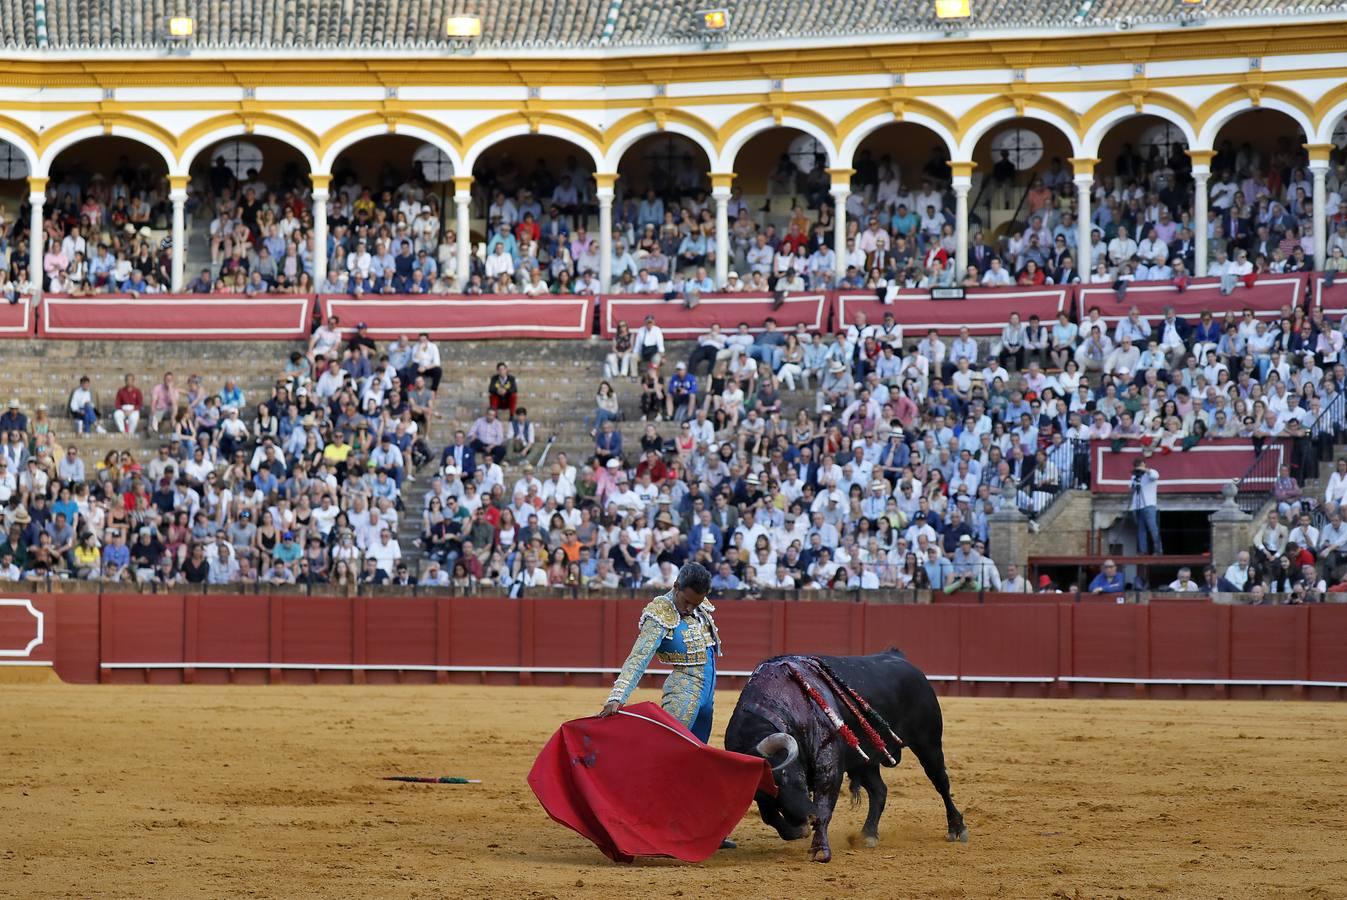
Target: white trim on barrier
<point>1318,282</point>
<point>31,663</point>
<point>303,303</point>
<point>1012,679</point>
<point>26,329</point>
<point>1221,682</point>
<point>1215,482</point>
<point>712,300</point>
<point>385,667</point>
<point>38,631</point>
<point>332,304</point>
<point>984,329</point>
<point>729,673</point>
<point>1106,297</point>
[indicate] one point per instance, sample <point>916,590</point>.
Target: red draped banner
<point>462,318</point>
<point>678,323</point>
<point>1204,469</point>
<point>983,310</point>
<point>1331,298</point>
<point>16,319</point>
<point>1266,298</point>
<point>186,317</point>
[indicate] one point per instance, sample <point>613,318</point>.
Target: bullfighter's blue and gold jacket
<point>686,644</point>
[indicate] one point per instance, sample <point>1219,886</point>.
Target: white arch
<point>1094,138</point>
<point>982,126</point>
<point>767,123</point>
<point>96,131</point>
<point>1207,136</point>
<point>1324,135</point>
<point>846,154</point>
<point>628,140</point>
<point>238,130</point>
<point>29,154</point>
<point>579,140</point>
<point>404,129</point>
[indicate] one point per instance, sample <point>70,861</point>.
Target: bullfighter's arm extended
<point>647,641</point>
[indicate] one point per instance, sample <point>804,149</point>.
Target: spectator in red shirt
<point>653,465</point>
<point>130,401</point>
<point>503,392</point>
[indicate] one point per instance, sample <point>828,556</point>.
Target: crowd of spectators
<point>301,485</point>
<point>388,234</point>
<point>98,234</point>
<point>873,459</point>
<point>781,458</point>
<point>885,476</point>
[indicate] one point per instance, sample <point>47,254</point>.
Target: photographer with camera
<point>1145,483</point>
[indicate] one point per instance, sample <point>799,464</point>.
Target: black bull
<point>775,718</point>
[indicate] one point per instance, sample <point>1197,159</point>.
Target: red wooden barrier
<point>1203,469</point>
<point>176,317</point>
<point>460,318</point>
<point>810,308</point>
<point>1268,295</point>
<point>1029,648</point>
<point>16,319</point>
<point>984,311</point>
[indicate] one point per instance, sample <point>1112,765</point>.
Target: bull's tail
<point>855,787</point>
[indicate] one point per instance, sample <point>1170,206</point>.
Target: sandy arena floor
<point>274,792</point>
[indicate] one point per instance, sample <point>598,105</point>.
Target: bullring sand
<point>275,792</point>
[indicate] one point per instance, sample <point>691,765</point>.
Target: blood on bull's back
<point>821,718</point>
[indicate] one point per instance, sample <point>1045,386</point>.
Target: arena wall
<point>1011,645</point>
<point>458,317</point>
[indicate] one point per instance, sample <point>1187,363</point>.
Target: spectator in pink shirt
<point>163,401</point>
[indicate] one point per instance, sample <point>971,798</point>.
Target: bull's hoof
<point>871,841</point>
<point>961,836</point>
<point>821,855</point>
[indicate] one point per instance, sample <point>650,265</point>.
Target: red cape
<point>639,784</point>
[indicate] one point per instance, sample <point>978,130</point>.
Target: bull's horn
<point>775,743</point>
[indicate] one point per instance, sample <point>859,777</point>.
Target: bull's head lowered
<point>790,811</point>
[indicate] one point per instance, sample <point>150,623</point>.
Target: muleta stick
<point>443,779</point>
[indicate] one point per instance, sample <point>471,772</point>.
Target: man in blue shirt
<point>769,346</point>
<point>100,267</point>
<point>1108,581</point>
<point>608,442</point>
<point>939,570</point>
<point>903,222</point>
<point>682,395</point>
<point>725,579</point>
<point>117,553</point>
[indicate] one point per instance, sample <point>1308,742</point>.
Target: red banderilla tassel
<point>847,734</point>
<point>870,734</point>
<point>874,716</point>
